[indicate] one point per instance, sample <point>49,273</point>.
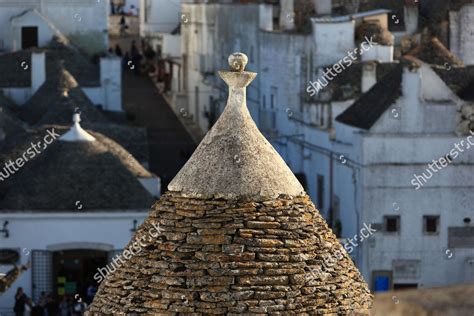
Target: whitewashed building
<point>159,18</point>
<point>26,70</point>
<point>389,136</point>
<point>33,23</point>
<point>69,209</point>
<point>461,24</point>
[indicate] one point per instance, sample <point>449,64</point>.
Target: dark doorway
<point>29,37</point>
<point>73,270</point>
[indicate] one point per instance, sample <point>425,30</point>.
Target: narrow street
<point>169,143</point>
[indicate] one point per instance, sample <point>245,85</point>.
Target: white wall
<point>38,71</point>
<point>171,45</point>
<point>42,230</point>
<point>159,16</point>
<point>380,53</point>
<point>13,36</point>
<point>461,36</point>
<point>84,22</point>
<point>332,40</point>
<point>111,83</point>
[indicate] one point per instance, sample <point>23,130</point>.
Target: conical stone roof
<point>234,160</point>
<point>58,97</point>
<point>234,234</point>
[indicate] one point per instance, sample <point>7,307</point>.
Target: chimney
<point>369,76</point>
<point>266,17</point>
<point>323,7</point>
<point>412,92</point>
<point>111,83</point>
<point>287,15</point>
<point>38,71</point>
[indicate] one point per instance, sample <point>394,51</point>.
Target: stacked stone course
<point>230,257</point>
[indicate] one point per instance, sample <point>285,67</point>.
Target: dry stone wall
<point>228,257</point>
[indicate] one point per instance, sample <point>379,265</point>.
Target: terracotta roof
<point>221,242</point>
<point>372,104</point>
<point>435,53</point>
<point>101,174</point>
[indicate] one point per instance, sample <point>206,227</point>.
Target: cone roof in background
<point>77,166</point>
<point>56,100</point>
<point>9,122</point>
<point>235,233</point>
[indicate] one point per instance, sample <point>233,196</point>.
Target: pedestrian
<point>136,58</point>
<point>125,61</point>
<point>41,303</point>
<point>64,306</point>
<point>51,306</point>
<point>20,301</point>
<point>91,290</point>
<point>112,7</point>
<point>123,24</point>
<point>118,50</point>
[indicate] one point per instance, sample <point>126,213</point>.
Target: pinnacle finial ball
<point>238,61</point>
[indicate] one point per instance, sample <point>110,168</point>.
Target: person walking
<point>20,301</point>
<point>118,50</point>
<point>123,24</point>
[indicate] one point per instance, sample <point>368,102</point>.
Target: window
<point>320,191</point>
<point>392,224</point>
<point>431,225</point>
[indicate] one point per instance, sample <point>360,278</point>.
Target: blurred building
<point>33,23</point>
<point>461,24</point>
<point>69,210</point>
<point>26,70</point>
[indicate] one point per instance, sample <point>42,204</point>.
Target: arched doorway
<point>68,268</point>
<point>73,271</point>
